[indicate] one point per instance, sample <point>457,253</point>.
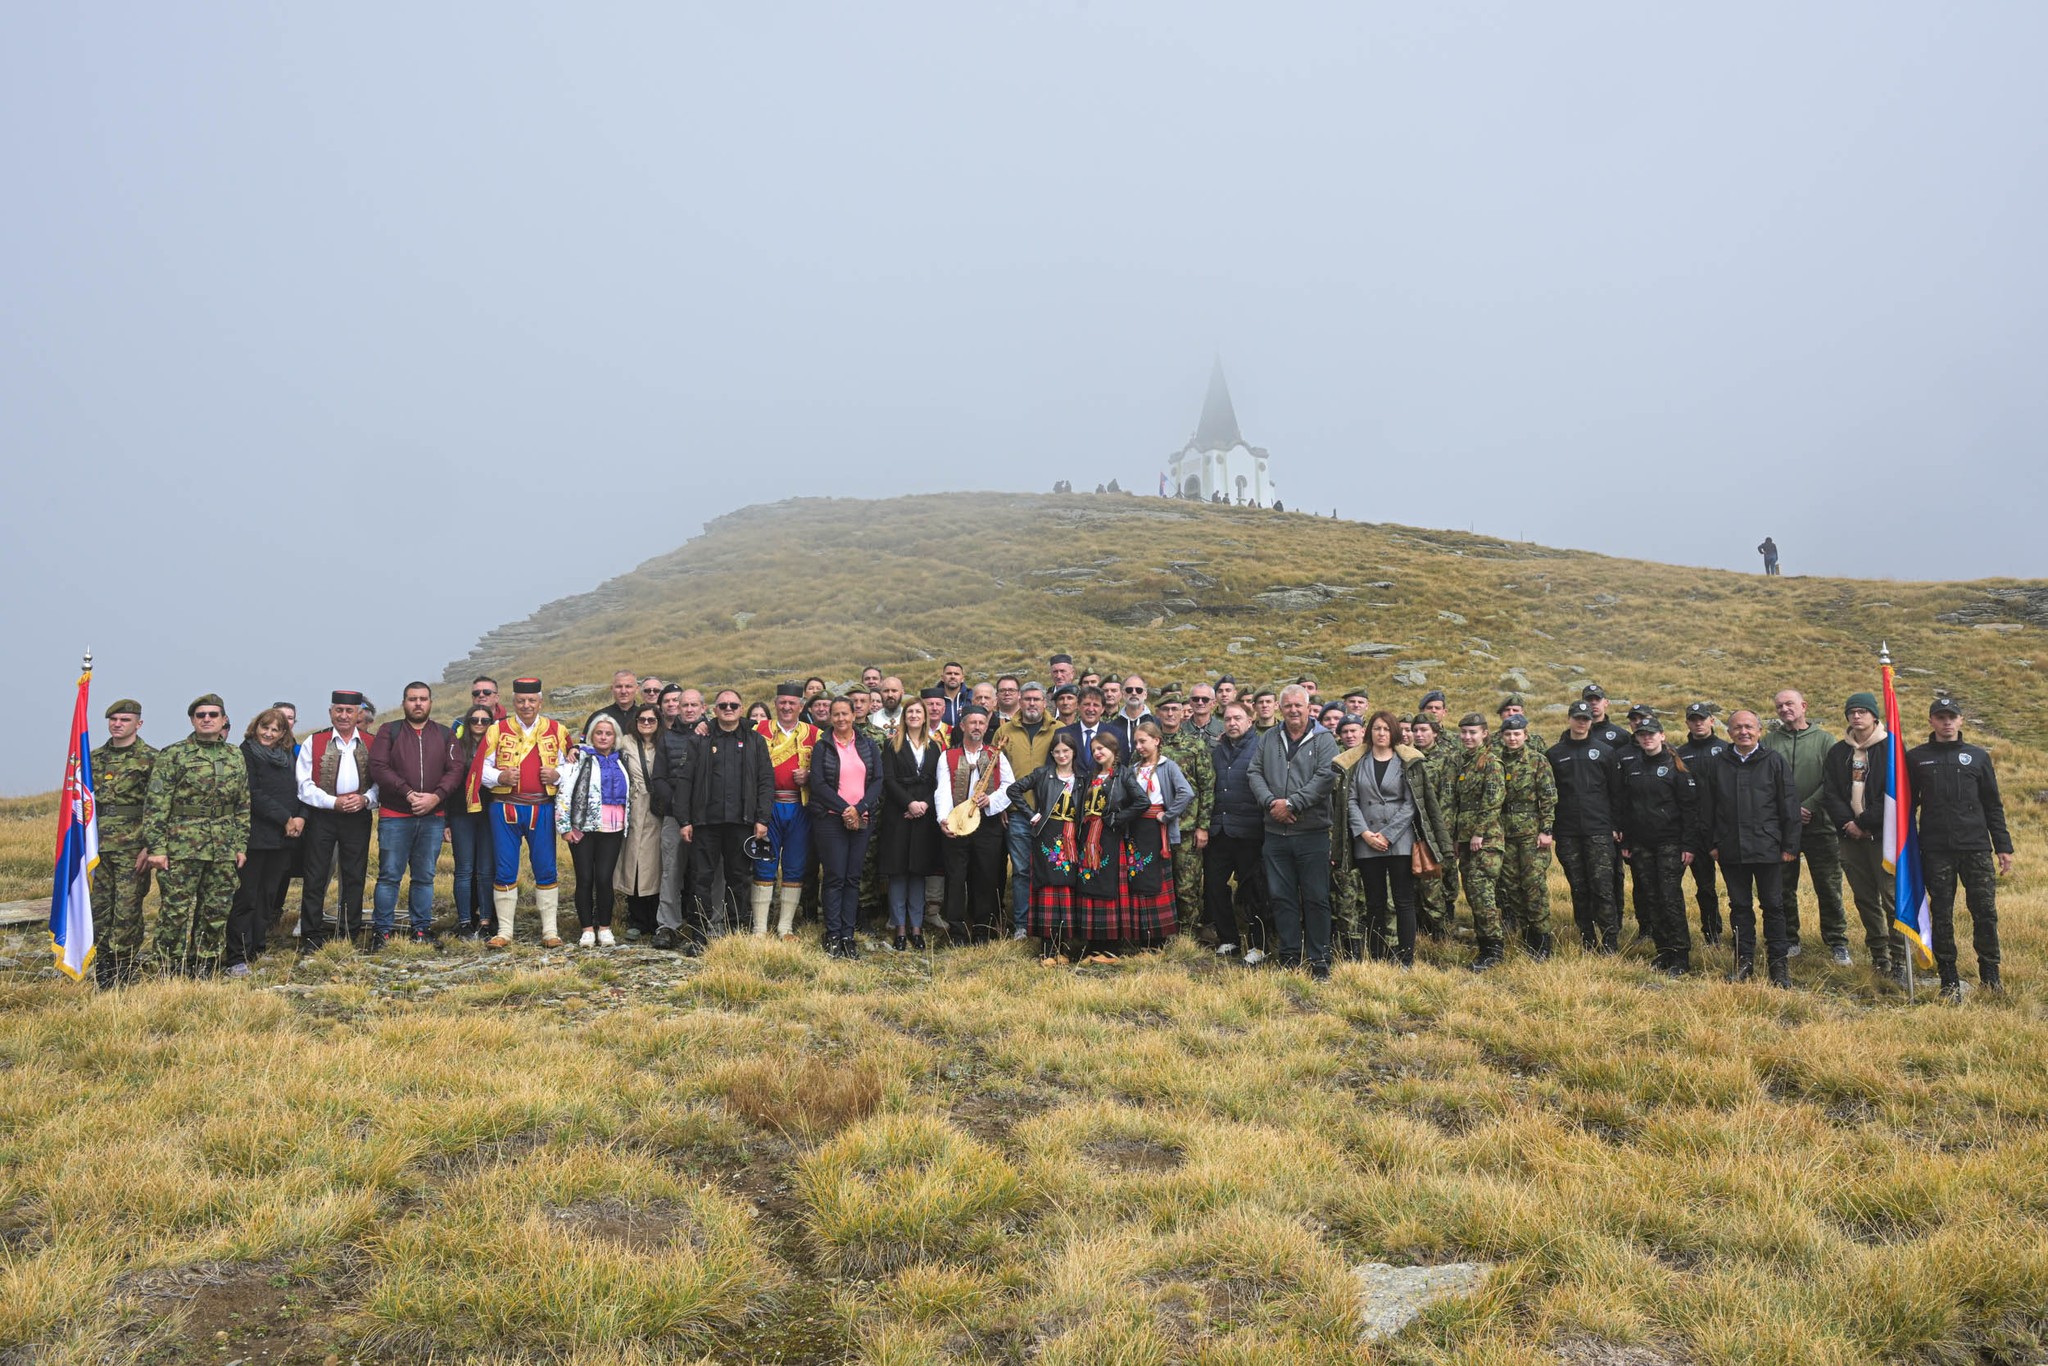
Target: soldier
<point>1189,748</point>
<point>1477,793</point>
<point>1527,813</point>
<point>1513,705</point>
<point>1436,898</point>
<point>120,779</point>
<point>195,833</point>
<point>1348,913</point>
<point>1202,714</point>
<point>1962,831</point>
<point>1615,740</point>
<point>1805,747</point>
<point>1586,794</point>
<point>1663,832</point>
<point>1702,744</point>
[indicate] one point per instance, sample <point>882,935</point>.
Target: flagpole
<point>1884,659</point>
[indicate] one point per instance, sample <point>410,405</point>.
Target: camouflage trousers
<point>1977,871</point>
<point>1820,849</point>
<point>1187,883</point>
<point>194,897</point>
<point>117,893</point>
<point>1523,892</point>
<point>1347,910</point>
<point>1436,902</point>
<point>1659,874</point>
<point>1589,866</point>
<point>1872,888</point>
<point>1479,872</point>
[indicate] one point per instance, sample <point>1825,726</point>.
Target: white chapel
<point>1217,459</point>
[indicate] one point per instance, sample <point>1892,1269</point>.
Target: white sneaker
<point>589,940</point>
<point>1018,934</point>
<point>1225,950</point>
<point>604,937</point>
<point>1254,957</point>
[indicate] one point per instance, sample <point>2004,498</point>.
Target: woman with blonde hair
<point>592,812</point>
<point>909,850</point>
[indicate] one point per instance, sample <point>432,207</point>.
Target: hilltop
<point>1177,590</point>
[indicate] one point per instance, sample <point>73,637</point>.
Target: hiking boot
<point>1792,949</point>
<point>1490,956</point>
<point>1987,977</point>
<point>1781,973</point>
<point>693,948</point>
<point>1951,989</point>
<point>1543,948</point>
<point>1745,968</point>
<point>422,937</point>
<point>666,938</point>
<point>1319,971</point>
<point>1840,953</point>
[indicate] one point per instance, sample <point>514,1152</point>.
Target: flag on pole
<point>1912,916</point>
<point>78,846</point>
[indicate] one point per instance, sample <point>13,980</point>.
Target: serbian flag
<point>78,848</point>
<point>1911,914</point>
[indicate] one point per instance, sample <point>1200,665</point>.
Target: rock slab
<point>1392,1297</point>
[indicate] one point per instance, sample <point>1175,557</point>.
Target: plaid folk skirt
<point>1128,915</point>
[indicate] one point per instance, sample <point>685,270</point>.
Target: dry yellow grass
<point>770,1155</point>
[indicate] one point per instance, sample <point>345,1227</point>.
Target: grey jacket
<point>1388,809</point>
<point>1304,781</point>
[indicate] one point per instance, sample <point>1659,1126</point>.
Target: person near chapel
<point>1190,749</point>
<point>195,834</point>
<point>340,796</point>
<point>523,757</point>
<point>1291,776</point>
<point>1963,839</point>
<point>120,881</point>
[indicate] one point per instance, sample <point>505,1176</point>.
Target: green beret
<point>126,704</point>
<point>211,699</point>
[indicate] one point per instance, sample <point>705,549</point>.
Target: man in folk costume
<point>340,801</point>
<point>974,778</point>
<point>790,742</point>
<point>521,760</point>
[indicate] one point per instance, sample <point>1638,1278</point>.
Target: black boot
<point>1951,984</point>
<point>1544,946</point>
<point>1490,955</point>
<point>1745,963</point>
<point>1680,963</point>
<point>1987,977</point>
<point>1781,972</point>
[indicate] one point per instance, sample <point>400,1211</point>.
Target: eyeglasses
<point>1135,692</point>
<point>208,715</point>
<point>650,692</point>
<point>728,706</point>
<point>483,692</point>
<point>648,721</point>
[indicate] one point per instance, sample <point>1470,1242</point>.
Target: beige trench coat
<point>639,872</point>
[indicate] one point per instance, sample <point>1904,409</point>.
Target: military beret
<point>1591,691</point>
<point>528,686</point>
<point>672,687</point>
<point>1472,718</point>
<point>207,699</point>
<point>1580,711</point>
<point>345,697</point>
<point>1513,699</point>
<point>1173,698</point>
<point>1515,723</point>
<point>1944,704</point>
<point>126,706</point>
<point>1065,690</point>
<point>1861,700</point>
<point>1423,718</point>
<point>789,690</point>
<point>1433,695</point>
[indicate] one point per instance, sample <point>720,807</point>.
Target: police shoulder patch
<point>1592,754</point>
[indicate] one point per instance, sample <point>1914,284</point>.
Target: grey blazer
<point>1388,809</point>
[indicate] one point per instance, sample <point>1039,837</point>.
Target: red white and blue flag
<point>78,847</point>
<point>1911,914</point>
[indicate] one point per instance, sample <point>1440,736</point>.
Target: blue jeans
<point>840,852</point>
<point>1017,835</point>
<point>406,842</point>
<point>469,835</point>
<point>906,903</point>
<point>1298,894</point>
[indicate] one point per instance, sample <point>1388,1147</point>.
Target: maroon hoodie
<point>404,760</point>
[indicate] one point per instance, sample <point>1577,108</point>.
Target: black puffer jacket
<point>1955,793</point>
<point>1752,813</point>
<point>273,794</point>
<point>1236,812</point>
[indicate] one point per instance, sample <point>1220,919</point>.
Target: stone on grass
<point>1392,1297</point>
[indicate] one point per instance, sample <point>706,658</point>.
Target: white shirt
<point>999,795</point>
<point>348,775</point>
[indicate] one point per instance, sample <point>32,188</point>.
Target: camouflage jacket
<point>1190,750</point>
<point>120,779</point>
<point>198,801</point>
<point>1476,795</point>
<point>1529,804</point>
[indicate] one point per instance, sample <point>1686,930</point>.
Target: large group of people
<point>1085,814</point>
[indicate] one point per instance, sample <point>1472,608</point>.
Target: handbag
<point>1420,862</point>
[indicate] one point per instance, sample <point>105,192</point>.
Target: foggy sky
<point>300,306</point>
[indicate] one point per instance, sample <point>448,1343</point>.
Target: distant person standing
<point>120,773</point>
<point>1963,839</point>
<point>1769,550</point>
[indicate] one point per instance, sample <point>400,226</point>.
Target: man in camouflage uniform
<point>1513,705</point>
<point>1189,749</point>
<point>120,780</point>
<point>1348,908</point>
<point>196,832</point>
<point>1477,794</point>
<point>1528,810</point>
<point>1436,898</point>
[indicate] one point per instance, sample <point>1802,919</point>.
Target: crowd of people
<point>1085,814</point>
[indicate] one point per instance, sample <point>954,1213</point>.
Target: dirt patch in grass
<point>257,1312</point>
<point>1134,1155</point>
<point>991,1115</point>
<point>640,1228</point>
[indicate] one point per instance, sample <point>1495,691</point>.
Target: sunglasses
<point>728,706</point>
<point>208,715</point>
<point>483,692</point>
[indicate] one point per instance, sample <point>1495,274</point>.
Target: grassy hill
<point>629,1157</point>
<point>1177,590</point>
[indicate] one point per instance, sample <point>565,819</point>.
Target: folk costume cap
<point>346,697</point>
<point>529,686</point>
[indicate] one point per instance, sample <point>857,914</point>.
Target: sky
<point>326,332</point>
